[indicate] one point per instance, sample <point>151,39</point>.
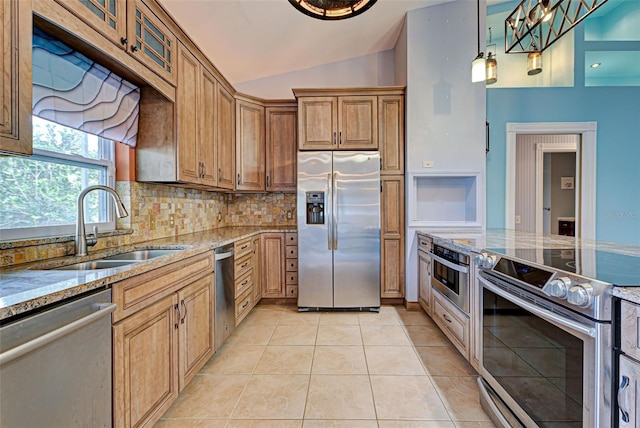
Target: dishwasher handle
<point>222,256</point>
<point>104,309</point>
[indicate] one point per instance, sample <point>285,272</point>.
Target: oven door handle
<point>546,315</point>
<point>447,263</point>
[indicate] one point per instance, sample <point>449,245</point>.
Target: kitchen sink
<point>119,260</point>
<point>140,255</point>
<point>96,264</point>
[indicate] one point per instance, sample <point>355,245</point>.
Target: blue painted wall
<point>617,112</point>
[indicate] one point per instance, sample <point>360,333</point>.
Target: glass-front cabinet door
<point>108,17</point>
<point>150,41</point>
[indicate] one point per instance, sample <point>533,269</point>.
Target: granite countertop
<point>34,285</point>
<point>477,240</point>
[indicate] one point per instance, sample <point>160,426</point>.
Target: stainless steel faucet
<point>81,239</point>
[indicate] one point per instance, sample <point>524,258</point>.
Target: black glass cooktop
<point>618,269</point>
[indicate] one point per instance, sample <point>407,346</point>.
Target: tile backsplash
<point>159,211</point>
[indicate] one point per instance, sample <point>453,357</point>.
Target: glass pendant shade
<point>534,63</point>
<point>492,69</point>
<point>332,9</point>
<point>478,69</point>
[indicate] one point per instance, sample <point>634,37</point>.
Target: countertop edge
<point>68,284</point>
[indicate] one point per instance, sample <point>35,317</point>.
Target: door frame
<point>585,156</point>
<point>541,149</point>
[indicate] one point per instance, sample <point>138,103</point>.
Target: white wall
<point>369,70</point>
<point>445,119</point>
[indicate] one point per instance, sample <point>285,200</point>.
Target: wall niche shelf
<point>446,200</point>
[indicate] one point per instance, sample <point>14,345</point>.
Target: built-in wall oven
<point>546,345</point>
<point>450,275</point>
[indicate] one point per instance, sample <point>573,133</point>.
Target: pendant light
<point>478,66</point>
<point>534,60</point>
<point>492,63</point>
<point>534,63</point>
<point>332,9</point>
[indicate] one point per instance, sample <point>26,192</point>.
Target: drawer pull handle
<point>622,399</point>
<point>245,304</point>
<point>245,282</point>
<point>244,265</point>
<point>447,319</point>
<point>185,312</point>
<point>244,246</point>
<point>177,308</point>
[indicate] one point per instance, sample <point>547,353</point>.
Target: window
<point>38,194</point>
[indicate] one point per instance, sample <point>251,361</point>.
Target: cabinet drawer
<point>292,265</point>
<point>244,283</point>
<point>424,244</point>
<point>292,290</point>
<point>452,323</point>
<point>135,293</point>
<point>630,333</point>
<point>243,265</point>
<point>243,247</point>
<point>243,306</point>
<point>291,252</point>
<point>291,238</point>
<point>291,278</point>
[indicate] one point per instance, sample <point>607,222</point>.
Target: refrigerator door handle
<point>330,225</point>
<point>334,206</point>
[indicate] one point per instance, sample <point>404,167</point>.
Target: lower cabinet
<point>273,264</point>
<point>145,363</point>
<point>257,278</point>
<point>392,236</point>
<point>162,336</point>
<point>291,265</point>
<point>244,276</point>
<point>452,321</point>
<point>424,281</point>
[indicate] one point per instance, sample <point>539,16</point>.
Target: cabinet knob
<point>134,48</point>
<point>124,40</point>
<point>238,179</point>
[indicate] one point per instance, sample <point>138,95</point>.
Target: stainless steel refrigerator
<point>338,230</point>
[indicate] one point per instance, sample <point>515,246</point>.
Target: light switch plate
<point>427,164</point>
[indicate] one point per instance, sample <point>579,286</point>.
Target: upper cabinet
<point>225,138</point>
<point>391,133</point>
<point>338,123</point>
<point>281,148</point>
<point>133,26</point>
<point>195,108</point>
<point>249,146</point>
<point>353,119</point>
<point>15,77</point>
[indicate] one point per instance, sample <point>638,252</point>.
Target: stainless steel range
<point>546,340</point>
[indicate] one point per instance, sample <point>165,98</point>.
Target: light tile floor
<point>282,369</point>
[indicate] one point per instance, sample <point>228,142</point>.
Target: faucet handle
<point>93,240</point>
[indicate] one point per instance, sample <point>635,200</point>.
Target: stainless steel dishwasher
<point>225,310</point>
<point>55,366</point>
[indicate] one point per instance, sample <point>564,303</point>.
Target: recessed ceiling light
<point>596,65</point>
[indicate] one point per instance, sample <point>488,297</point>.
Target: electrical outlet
<point>289,215</point>
<point>152,222</point>
<point>517,219</point>
<point>172,220</point>
<point>427,164</point>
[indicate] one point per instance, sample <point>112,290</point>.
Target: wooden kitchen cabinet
<point>424,273</point>
<point>110,20</point>
<point>225,138</point>
<point>133,26</point>
<point>249,146</point>
<point>281,148</point>
<point>196,302</point>
<point>391,133</point>
<point>15,75</point>
<point>392,236</point>
<point>145,360</point>
<point>338,123</point>
<point>273,264</point>
<point>257,271</point>
<point>162,336</point>
<point>195,105</point>
<point>244,277</point>
<point>453,322</point>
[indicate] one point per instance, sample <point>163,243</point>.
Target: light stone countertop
<point>34,285</point>
<point>475,241</point>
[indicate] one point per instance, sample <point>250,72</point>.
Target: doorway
<point>557,206</point>
<point>583,183</point>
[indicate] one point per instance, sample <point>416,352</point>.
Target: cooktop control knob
<point>558,287</point>
<point>580,295</point>
<point>479,259</point>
